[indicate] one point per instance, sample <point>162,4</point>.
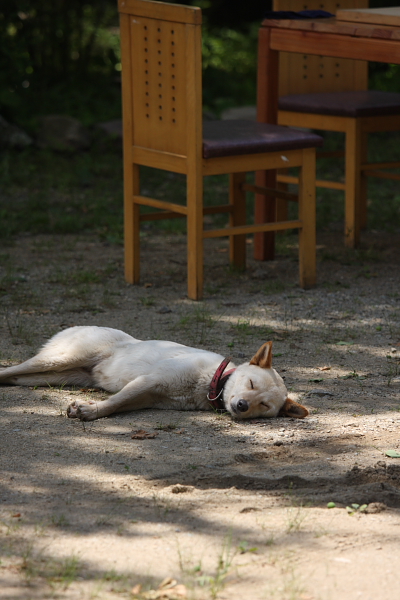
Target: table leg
<point>267,112</point>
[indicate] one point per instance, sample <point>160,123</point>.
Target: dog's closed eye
<point>251,384</point>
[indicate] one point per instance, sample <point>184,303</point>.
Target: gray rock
<point>241,112</point>
<point>320,392</point>
<point>164,310</point>
<point>59,132</point>
<point>12,136</point>
<point>111,128</point>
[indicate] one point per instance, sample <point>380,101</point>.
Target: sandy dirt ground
<point>206,507</point>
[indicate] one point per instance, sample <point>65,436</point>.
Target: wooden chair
<point>331,94</point>
<point>162,128</point>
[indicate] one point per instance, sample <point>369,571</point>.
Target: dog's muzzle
<point>241,406</point>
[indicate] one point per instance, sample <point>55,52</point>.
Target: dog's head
<point>256,390</point>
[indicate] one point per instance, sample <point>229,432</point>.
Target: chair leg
<point>132,224</point>
<point>195,235</point>
<point>353,182</point>
<point>282,206</point>
<point>237,199</point>
<point>363,209</point>
<point>307,214</point>
<point>265,212</point>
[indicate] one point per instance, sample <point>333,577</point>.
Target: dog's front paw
<point>85,410</point>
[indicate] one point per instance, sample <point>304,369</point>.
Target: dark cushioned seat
<point>346,104</point>
<point>230,138</point>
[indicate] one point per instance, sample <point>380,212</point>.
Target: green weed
<point>147,300</point>
<point>213,582</point>
<point>59,521</point>
<point>19,328</point>
<point>197,322</point>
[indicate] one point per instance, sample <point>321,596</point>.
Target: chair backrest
<point>161,74</point>
<point>302,73</point>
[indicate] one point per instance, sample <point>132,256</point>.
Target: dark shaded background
<point>62,56</point>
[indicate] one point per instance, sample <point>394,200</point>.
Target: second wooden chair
<point>331,94</point>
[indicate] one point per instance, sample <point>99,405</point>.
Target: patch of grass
<point>83,277</point>
<point>108,300</point>
<point>194,467</point>
<point>292,587</point>
<point>349,256</point>
<point>393,368</point>
<point>197,323</point>
<point>273,286</point>
<point>167,426</point>
<point>295,518</point>
<point>383,195</point>
<point>58,193</point>
<point>72,193</point>
<point>10,527</point>
<point>147,301</point>
<point>120,581</point>
<point>59,521</point>
<point>19,328</point>
<point>333,286</point>
<point>244,547</point>
<point>163,504</point>
<point>57,573</point>
<point>243,329</point>
<point>213,582</point>
<point>286,245</point>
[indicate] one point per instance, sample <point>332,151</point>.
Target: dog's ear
<point>263,356</point>
<point>293,409</point>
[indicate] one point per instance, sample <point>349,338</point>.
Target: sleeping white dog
<point>153,374</point>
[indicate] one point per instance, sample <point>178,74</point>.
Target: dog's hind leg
<point>136,395</point>
<point>46,362</point>
<point>81,377</point>
<point>35,365</point>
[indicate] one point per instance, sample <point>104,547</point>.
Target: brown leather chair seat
<point>366,103</point>
<point>236,137</point>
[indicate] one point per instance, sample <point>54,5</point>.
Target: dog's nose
<point>242,405</point>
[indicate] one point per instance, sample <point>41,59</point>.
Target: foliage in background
<point>58,57</point>
<point>64,57</point>
<point>61,57</point>
<point>229,67</point>
<point>384,77</point>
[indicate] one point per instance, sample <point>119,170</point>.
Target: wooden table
<point>325,37</point>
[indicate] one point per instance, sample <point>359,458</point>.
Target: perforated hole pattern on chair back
<point>303,74</point>
<point>159,84</point>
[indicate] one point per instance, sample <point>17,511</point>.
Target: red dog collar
<point>216,388</point>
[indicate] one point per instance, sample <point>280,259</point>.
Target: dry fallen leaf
<point>169,589</point>
<point>181,489</point>
<point>167,583</point>
<point>136,589</point>
<point>142,434</point>
<point>324,368</point>
<point>174,593</point>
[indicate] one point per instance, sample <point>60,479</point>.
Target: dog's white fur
<point>150,374</point>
